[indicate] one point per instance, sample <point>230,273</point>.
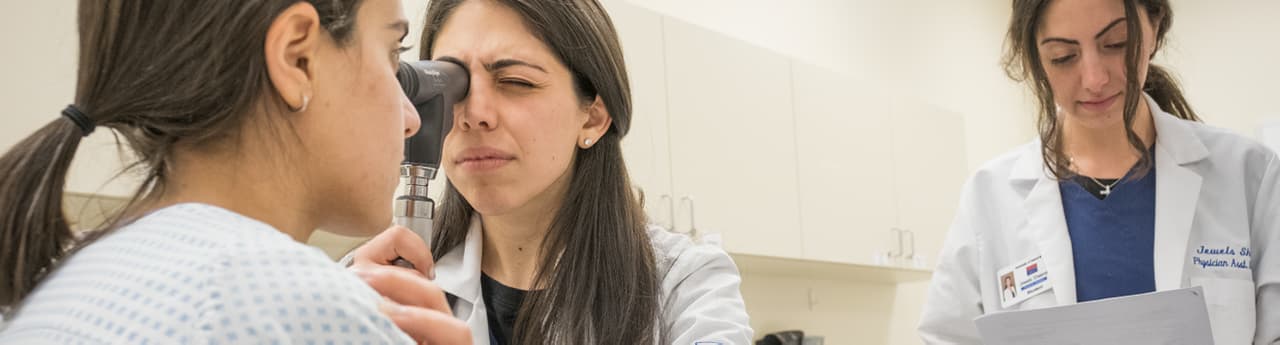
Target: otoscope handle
<point>420,226</point>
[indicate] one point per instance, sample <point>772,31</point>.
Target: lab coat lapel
<point>1045,224</point>
<point>458,273</point>
<point>1177,192</point>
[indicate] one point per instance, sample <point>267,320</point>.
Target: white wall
<point>1228,57</point>
<point>39,66</point>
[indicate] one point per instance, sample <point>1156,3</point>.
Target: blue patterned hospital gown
<point>196,273</point>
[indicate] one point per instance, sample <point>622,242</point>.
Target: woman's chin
<point>489,202</point>
<point>1096,120</point>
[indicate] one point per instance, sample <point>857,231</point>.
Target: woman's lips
<point>483,164</point>
<point>483,158</point>
<point>1101,105</point>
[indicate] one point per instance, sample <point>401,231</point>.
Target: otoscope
<point>433,87</point>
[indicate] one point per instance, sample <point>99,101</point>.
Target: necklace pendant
<point>1106,190</point>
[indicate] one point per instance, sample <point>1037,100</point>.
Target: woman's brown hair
<point>597,281</point>
<point>1022,63</point>
<point>158,74</point>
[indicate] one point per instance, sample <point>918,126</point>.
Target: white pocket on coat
<point>1232,308</point>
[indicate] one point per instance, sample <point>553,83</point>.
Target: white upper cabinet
<point>779,157</point>
<point>732,137</point>
<point>844,134</point>
<point>930,167</point>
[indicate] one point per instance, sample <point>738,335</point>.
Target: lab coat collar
<point>1030,165</point>
<point>1177,191</point>
<point>1176,137</point>
<point>458,272</point>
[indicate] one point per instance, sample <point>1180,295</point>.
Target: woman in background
<point>1125,192</point>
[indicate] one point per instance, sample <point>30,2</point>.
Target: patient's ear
<point>291,44</point>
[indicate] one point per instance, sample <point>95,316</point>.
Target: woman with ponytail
<point>256,121</point>
<point>1124,192</point>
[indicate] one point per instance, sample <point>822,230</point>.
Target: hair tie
<point>79,118</point>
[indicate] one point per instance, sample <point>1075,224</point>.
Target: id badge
<point>1022,281</point>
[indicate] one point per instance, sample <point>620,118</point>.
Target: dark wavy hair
<point>597,278</point>
<point>1022,63</point>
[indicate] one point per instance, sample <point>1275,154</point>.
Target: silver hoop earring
<point>306,100</point>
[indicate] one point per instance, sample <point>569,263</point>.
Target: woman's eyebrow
<point>504,63</point>
<point>1071,41</point>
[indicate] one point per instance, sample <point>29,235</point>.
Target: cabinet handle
<point>913,243</point>
<point>897,232</point>
<point>693,227</point>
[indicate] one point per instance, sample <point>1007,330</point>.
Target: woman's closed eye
<point>517,82</point>
<point>1063,59</point>
<point>1117,45</point>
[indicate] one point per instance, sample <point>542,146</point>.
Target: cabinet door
<point>930,167</point>
<point>844,136</point>
<point>732,140</point>
<point>645,147</point>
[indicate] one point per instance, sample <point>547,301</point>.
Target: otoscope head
<point>433,87</point>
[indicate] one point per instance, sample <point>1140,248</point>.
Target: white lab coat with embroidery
<point>699,299</point>
<point>1213,189</point>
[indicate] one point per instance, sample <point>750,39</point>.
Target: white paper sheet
<point>1165,317</point>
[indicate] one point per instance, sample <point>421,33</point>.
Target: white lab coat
<point>699,299</point>
<point>1213,189</point>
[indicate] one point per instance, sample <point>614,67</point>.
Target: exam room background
<point>943,54</point>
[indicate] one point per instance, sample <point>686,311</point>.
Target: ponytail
<point>33,229</point>
<point>1166,91</point>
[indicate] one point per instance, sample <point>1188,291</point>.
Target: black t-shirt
<point>1094,188</point>
<point>502,303</point>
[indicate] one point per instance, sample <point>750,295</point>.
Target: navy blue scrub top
<point>1112,236</point>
